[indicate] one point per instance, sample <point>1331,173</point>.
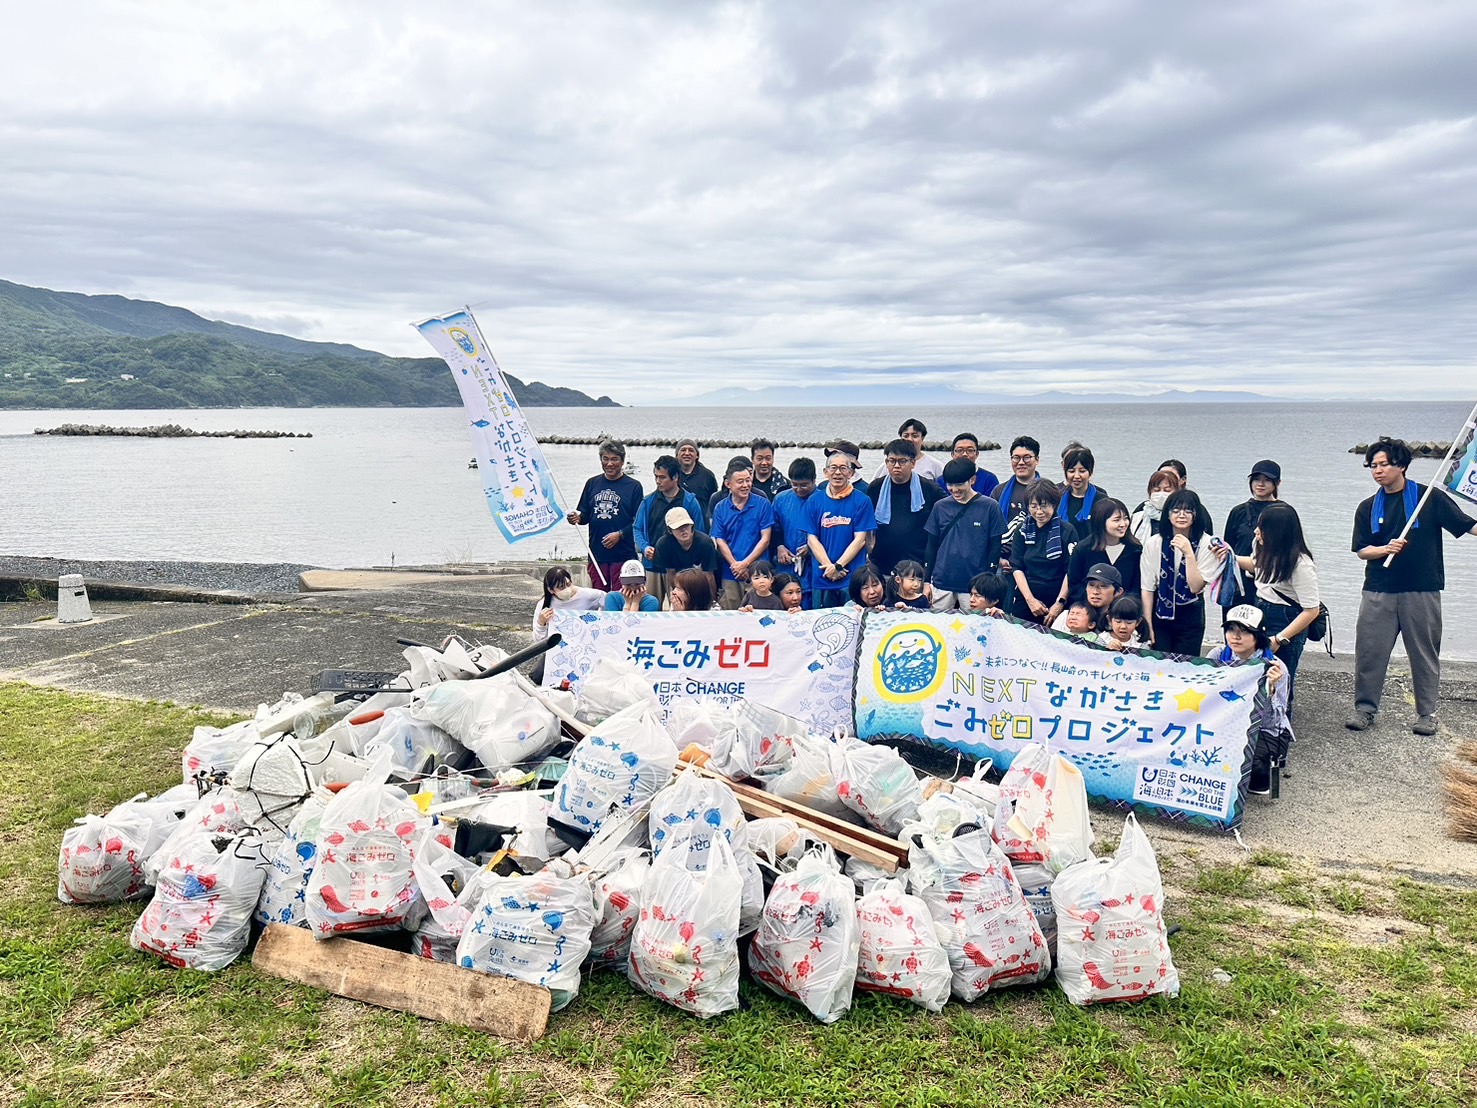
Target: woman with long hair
<point>690,592</point>
<point>1108,540</point>
<point>561,593</point>
<point>1163,483</point>
<point>1286,583</point>
<point>1179,559</point>
<point>1039,555</point>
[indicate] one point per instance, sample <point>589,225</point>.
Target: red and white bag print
<point>1111,942</point>
<point>1026,773</point>
<point>200,917</point>
<point>901,954</point>
<point>684,947</point>
<point>102,859</point>
<point>362,871</point>
<point>809,940</point>
<point>980,914</point>
<point>618,899</point>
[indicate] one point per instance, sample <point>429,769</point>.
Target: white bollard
<point>71,599</point>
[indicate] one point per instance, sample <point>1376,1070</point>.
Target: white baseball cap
<point>1248,615</point>
<point>633,571</point>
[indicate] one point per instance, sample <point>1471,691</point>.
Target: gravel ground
<point>248,577</point>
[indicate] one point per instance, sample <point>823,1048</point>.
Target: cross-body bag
<point>1318,629</point>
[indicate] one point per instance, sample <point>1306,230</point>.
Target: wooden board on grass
<point>499,1006</point>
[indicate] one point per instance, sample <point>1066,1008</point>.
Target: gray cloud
<point>1094,195</point>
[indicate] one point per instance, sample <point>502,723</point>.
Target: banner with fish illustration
<point>798,663</point>
<point>1460,472</point>
<point>1175,736</point>
<point>516,480</point>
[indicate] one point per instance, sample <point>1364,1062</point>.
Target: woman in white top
<point>1286,582</point>
<point>1162,484</point>
<point>562,594</point>
<point>1177,563</point>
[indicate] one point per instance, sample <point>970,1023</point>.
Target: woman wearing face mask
<point>690,592</point>
<point>1039,555</point>
<point>561,593</point>
<point>1178,560</point>
<point>1145,519</point>
<point>1108,540</point>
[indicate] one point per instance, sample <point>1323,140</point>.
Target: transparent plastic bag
<point>700,723</point>
<point>620,765</point>
<point>290,865</point>
<point>695,798</point>
<point>900,952</point>
<point>200,917</point>
<point>810,778</point>
<point>979,912</point>
<point>684,947</point>
<point>415,745</point>
<point>759,746</point>
<point>879,786</point>
<point>611,687</point>
<point>1111,941</point>
<point>1027,772</point>
<point>492,717</point>
<point>102,859</point>
<point>536,929</point>
<point>809,939</point>
<point>220,811</point>
<point>618,900</point>
<point>213,750</point>
<point>1051,820</point>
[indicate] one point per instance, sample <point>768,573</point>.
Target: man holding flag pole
<point>1397,533</point>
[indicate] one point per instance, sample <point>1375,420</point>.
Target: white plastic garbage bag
<point>697,837</point>
<point>447,884</point>
<point>684,948</point>
<point>214,750</point>
<point>536,929</point>
<point>200,917</point>
<point>1036,881</point>
<point>695,798</point>
<point>808,942</point>
<point>611,687</point>
<point>102,858</point>
<point>880,786</point>
<point>1050,819</point>
<point>810,778</point>
<point>1111,942</point>
<point>618,899</point>
<point>900,953</point>
<point>774,839</point>
<point>618,766</point>
<point>980,913</point>
<point>493,717</point>
<point>759,746</point>
<point>284,896</point>
<point>1027,773</point>
<point>415,745</point>
<point>362,879</point>
<point>701,723</point>
<point>221,811</point>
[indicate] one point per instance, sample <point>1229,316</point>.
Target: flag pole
<point>482,345</point>
<point>1440,478</point>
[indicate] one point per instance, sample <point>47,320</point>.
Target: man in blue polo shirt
<point>839,521</point>
<point>742,524</point>
<point>791,522</point>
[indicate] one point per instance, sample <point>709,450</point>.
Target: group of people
<point>946,535</point>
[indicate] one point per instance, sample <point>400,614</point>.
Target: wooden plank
<point>438,991</point>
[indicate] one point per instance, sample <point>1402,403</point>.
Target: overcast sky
<point>657,199</point>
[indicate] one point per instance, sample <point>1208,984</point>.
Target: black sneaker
<point>1360,720</point>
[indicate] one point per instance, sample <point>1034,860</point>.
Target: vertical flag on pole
<point>520,489</point>
<point>1460,474</point>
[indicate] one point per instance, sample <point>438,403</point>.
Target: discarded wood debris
<point>500,1006</point>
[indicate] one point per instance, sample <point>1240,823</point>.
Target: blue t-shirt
<point>740,529</point>
<point>836,523</point>
<point>792,516</point>
<point>615,602</point>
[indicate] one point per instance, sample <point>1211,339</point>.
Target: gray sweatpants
<point>1416,618</point>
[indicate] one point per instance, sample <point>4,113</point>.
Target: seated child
<point>1247,639</point>
<point>1125,622</point>
<point>1078,619</point>
<point>907,586</point>
<point>988,593</point>
<point>787,587</point>
<point>761,590</point>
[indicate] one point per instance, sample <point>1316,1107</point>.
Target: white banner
<point>801,664</point>
<point>1460,475</point>
<point>1145,730</point>
<point>515,478</point>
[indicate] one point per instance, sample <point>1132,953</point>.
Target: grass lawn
<point>1345,989</point>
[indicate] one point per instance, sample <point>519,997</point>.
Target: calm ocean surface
<point>377,483</point>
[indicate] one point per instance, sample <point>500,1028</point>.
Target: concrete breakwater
<point>735,444</point>
<point>1418,449</point>
<point>166,431</point>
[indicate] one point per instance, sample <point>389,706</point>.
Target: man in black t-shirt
<point>608,506</point>
<point>900,535</point>
<point>695,477</point>
<point>685,547</point>
<point>1404,598</point>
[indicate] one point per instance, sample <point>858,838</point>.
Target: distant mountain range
<point>942,396</point>
<point>70,350</point>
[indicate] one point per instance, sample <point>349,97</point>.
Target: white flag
<point>520,490</point>
<point>1460,475</point>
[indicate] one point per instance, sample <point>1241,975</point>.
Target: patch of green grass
<point>1311,1016</point>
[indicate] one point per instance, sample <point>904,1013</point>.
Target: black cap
<point>1267,468</point>
<point>1106,574</point>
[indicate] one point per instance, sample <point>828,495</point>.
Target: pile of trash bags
<point>455,811</point>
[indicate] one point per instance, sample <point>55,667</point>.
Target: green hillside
<point>68,350</point>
